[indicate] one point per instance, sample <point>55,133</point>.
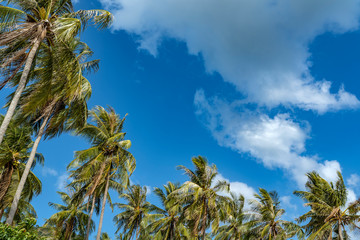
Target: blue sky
<point>265,90</point>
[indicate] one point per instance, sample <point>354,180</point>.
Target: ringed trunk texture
<point>29,163</point>
<point>24,76</point>
<point>5,180</point>
<point>103,207</point>
<point>90,216</point>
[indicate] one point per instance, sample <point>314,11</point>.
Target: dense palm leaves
<point>132,220</point>
<point>57,101</point>
<point>14,151</point>
<point>26,25</point>
<point>330,214</point>
<point>71,217</point>
<point>108,157</point>
<point>201,196</point>
<point>168,225</point>
<point>267,213</point>
<point>235,218</point>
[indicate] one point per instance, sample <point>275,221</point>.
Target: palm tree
<point>56,102</point>
<point>169,225</point>
<point>329,214</point>
<point>25,25</point>
<point>235,218</point>
<point>85,182</point>
<point>136,212</point>
<point>201,196</point>
<point>71,217</point>
<point>32,188</point>
<point>108,158</point>
<point>14,151</point>
<point>266,213</point>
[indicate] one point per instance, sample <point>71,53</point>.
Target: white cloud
<point>276,142</point>
<point>353,180</point>
<point>62,182</point>
<point>46,171</point>
<point>260,46</point>
<point>237,188</point>
<point>149,190</point>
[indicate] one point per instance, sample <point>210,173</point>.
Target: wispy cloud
<point>62,182</point>
<point>46,171</point>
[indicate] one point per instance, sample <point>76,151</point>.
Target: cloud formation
<point>239,188</point>
<point>259,46</point>
<point>276,142</point>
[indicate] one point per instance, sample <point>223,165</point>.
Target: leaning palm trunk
<point>24,76</point>
<point>5,180</point>
<point>29,163</point>
<point>103,207</point>
<point>90,216</point>
<point>340,232</point>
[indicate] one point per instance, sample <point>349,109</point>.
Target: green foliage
<point>24,231</point>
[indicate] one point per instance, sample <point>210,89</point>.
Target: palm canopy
<point>108,154</point>
<point>61,90</point>
<point>107,161</point>
<point>201,196</point>
<point>135,213</point>
<point>22,22</point>
<point>329,212</point>
<point>169,225</point>
<point>235,219</point>
<point>71,217</point>
<point>15,150</point>
<point>267,222</point>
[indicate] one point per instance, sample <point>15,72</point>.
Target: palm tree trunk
<point>90,216</point>
<point>20,88</point>
<point>2,213</point>
<point>138,230</point>
<point>29,163</point>
<point>203,227</point>
<point>340,231</point>
<point>5,179</point>
<point>69,229</point>
<point>103,206</point>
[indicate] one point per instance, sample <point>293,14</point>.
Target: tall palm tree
<point>169,225</point>
<point>235,219</point>
<point>25,25</point>
<point>94,200</point>
<point>107,158</point>
<point>329,212</point>
<point>71,217</point>
<point>136,212</point>
<point>267,223</point>
<point>57,101</point>
<point>201,196</point>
